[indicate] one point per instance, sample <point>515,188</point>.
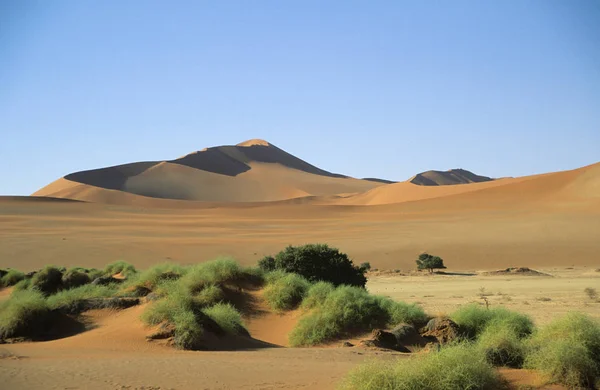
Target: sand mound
<point>252,171</point>
<point>451,177</point>
<point>524,271</point>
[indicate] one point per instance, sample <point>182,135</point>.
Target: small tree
<point>429,262</point>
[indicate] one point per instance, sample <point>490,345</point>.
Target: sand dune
<point>252,171</point>
<point>451,177</point>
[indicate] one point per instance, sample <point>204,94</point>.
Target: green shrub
<point>156,274</point>
<point>346,309</point>
<point>74,278</point>
<point>188,329</point>
<point>219,271</point>
<point>317,262</point>
<point>47,281</point>
<point>456,367</point>
<point>23,309</point>
<point>227,317</point>
<point>567,351</point>
<point>316,294</point>
<point>286,292</point>
<point>474,318</point>
<point>502,345</point>
<point>210,295</point>
<point>429,262</point>
<point>402,312</point>
<point>267,263</point>
<point>11,278</point>
<point>70,298</point>
<point>120,267</point>
<point>22,285</point>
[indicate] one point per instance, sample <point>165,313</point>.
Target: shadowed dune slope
<point>451,177</point>
<point>253,171</point>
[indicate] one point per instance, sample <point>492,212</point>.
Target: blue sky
<point>365,88</point>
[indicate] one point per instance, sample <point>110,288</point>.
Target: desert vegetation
<point>317,262</point>
<point>193,307</point>
<point>429,262</point>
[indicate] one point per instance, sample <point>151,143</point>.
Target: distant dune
<point>451,177</point>
<point>252,171</point>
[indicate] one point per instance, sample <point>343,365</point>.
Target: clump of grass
<point>22,285</point>
<point>286,292</point>
<point>24,309</point>
<point>48,280</point>
<point>70,298</point>
<point>227,317</point>
<point>567,351</point>
<point>501,345</point>
<point>210,295</point>
<point>75,277</point>
<point>219,271</point>
<point>153,276</point>
<point>402,312</point>
<point>316,294</point>
<point>473,319</point>
<point>120,267</point>
<point>591,293</point>
<point>347,310</point>
<point>11,278</point>
<point>456,367</point>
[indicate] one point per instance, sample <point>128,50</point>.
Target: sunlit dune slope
<point>582,183</point>
<point>253,171</point>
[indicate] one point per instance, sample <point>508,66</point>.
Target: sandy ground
<point>115,355</point>
<point>546,222</point>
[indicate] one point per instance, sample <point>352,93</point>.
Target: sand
<point>253,199</point>
<point>114,354</point>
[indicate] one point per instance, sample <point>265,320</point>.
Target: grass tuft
<point>316,294</point>
<point>120,267</point>
<point>69,298</point>
<point>11,278</point>
<point>347,310</point>
<point>227,317</point>
<point>456,367</point>
<point>23,309</point>
<point>286,292</point>
<point>474,319</point>
<point>567,351</point>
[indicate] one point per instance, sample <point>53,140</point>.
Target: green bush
<point>69,298</point>
<point>473,319</point>
<point>429,262</point>
<point>120,267</point>
<point>286,293</point>
<point>22,285</point>
<point>456,367</point>
<point>75,277</point>
<point>227,317</point>
<point>48,280</point>
<point>23,309</point>
<point>402,312</point>
<point>502,345</point>
<point>219,271</point>
<point>210,295</point>
<point>567,351</point>
<point>11,278</point>
<point>316,294</point>
<point>151,277</point>
<point>317,262</point>
<point>347,310</point>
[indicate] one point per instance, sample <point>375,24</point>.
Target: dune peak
<point>254,142</point>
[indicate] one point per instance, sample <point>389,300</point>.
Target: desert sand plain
<point>548,222</point>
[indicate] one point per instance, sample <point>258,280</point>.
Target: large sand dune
<point>252,171</point>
